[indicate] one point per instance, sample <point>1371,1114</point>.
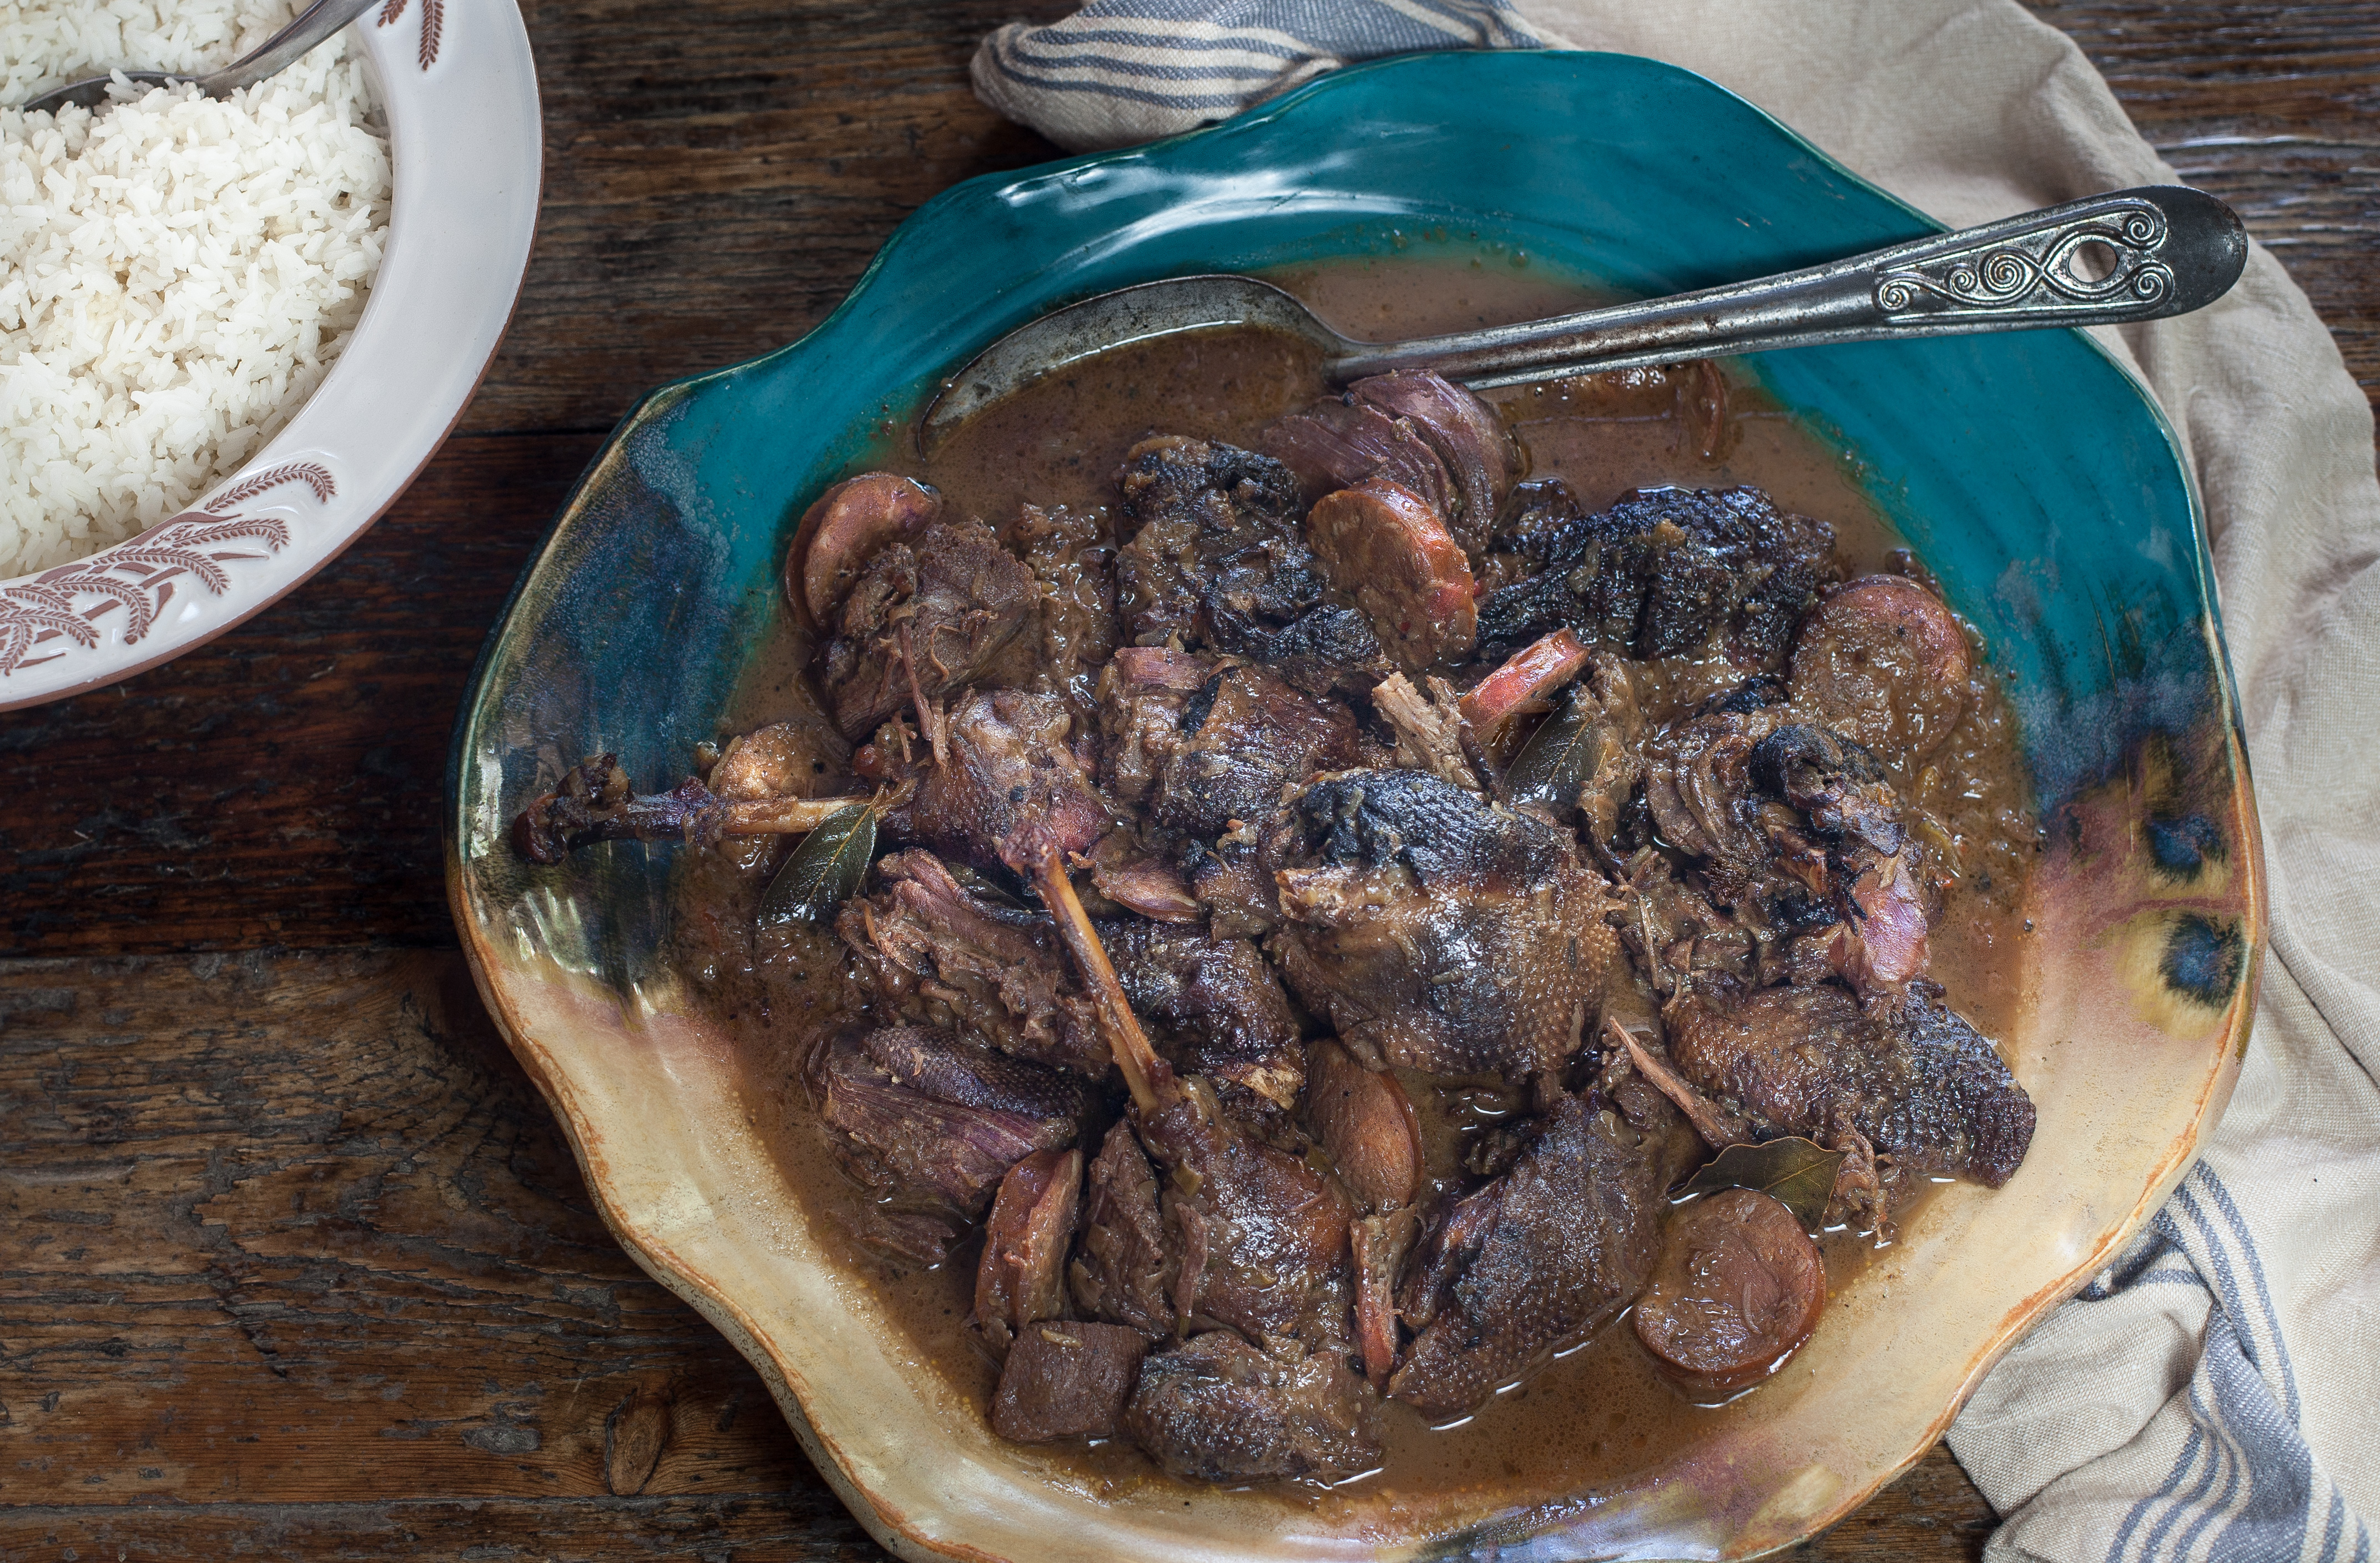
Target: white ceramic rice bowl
<point>467,156</point>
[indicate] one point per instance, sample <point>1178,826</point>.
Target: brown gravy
<point>1596,1411</point>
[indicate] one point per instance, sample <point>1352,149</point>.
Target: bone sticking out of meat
<point>593,803</point>
<point>1436,930</point>
<point>1022,1275</point>
<point>1066,1378</point>
<point>1883,662</point>
<point>1389,549</point>
<point>925,617</point>
<point>1717,1126</point>
<point>1215,1408</point>
<point>1916,1081</point>
<point>1738,1288</point>
<point>1468,436</point>
<point>1538,1257</point>
<point>841,532</point>
<point>1150,1078</point>
<point>929,1124</point>
<point>1429,729</point>
<point>1216,1008</point>
<point>1366,1125</point>
<point>1522,687</point>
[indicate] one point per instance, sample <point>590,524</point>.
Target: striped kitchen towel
<point>1119,72</point>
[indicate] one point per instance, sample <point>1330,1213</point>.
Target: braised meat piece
<point>1215,1408</point>
<point>1006,767</point>
<point>1665,573</point>
<point>1216,560</point>
<point>1531,1260</point>
<point>1207,758</point>
<point>924,618</point>
<point>1122,1270</point>
<point>938,954</point>
<point>1344,442</point>
<point>1067,1379</point>
<point>1021,1276</point>
<point>1073,569</point>
<point>1436,930</point>
<point>845,529</point>
<point>1216,1008</point>
<point>929,1123</point>
<point>1878,875</point>
<point>1428,729</point>
<point>1883,662</point>
<point>1916,1081</point>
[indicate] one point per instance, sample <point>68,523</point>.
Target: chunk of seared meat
<point>1916,1081</point>
<point>1216,560</point>
<point>1215,1408</point>
<point>939,953</point>
<point>929,1124</point>
<point>1073,562</point>
<point>1667,573</point>
<point>1215,1008</point>
<point>1206,757</point>
<point>1067,1379</point>
<point>1010,762</point>
<point>1021,1276</point>
<point>1437,930</point>
<point>1800,833</point>
<point>1532,1259</point>
<point>925,617</point>
<point>1124,1268</point>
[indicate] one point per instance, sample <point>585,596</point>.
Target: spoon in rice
<point>312,25</point>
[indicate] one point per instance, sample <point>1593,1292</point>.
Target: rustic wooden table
<point>295,1263</point>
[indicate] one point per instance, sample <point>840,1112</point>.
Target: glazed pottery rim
<point>683,1280</point>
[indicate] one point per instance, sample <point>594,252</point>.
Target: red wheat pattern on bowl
<point>137,576</point>
<point>433,25</point>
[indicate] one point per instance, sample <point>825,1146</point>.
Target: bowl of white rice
<point>232,331</point>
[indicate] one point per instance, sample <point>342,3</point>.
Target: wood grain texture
<point>294,1264</point>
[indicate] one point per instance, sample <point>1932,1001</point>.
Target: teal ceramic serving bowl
<point>2028,470</point>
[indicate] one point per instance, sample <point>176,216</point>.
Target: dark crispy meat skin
<point>1467,435</point>
<point>1663,573</point>
<point>1067,1379</point>
<point>924,618</point>
<point>1261,1234</point>
<point>1436,930</point>
<point>1236,741</point>
<point>930,1124</point>
<point>1073,569</point>
<point>1122,1270</point>
<point>1916,1081</point>
<point>1217,561</point>
<point>1213,1006</point>
<point>1143,691</point>
<point>1007,767</point>
<point>1340,444</point>
<point>940,955</point>
<point>1531,1260</point>
<point>1215,1408</point>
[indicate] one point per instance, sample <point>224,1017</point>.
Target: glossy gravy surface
<point>1595,1410</point>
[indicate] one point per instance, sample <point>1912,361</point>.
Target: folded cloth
<point>2210,1393</point>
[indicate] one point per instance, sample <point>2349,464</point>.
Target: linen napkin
<point>2214,1394</point>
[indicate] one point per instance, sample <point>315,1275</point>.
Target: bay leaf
<point>1558,757</point>
<point>1797,1174</point>
<point>825,869</point>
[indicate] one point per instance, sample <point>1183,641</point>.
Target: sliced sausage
<point>841,532</point>
<point>1366,1125</point>
<point>1522,685</point>
<point>1389,549</point>
<point>1883,662</point>
<point>1022,1277</point>
<point>1738,1288</point>
<point>1466,434</point>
